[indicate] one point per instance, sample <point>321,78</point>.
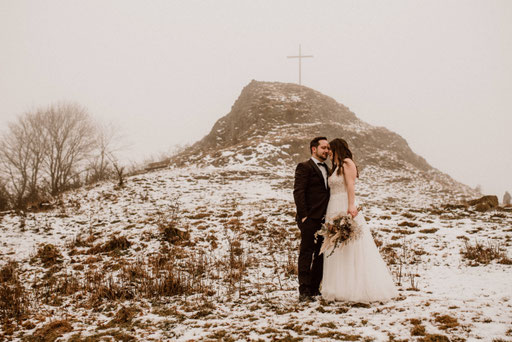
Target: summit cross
<point>300,56</point>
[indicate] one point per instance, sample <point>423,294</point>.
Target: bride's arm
<point>350,174</point>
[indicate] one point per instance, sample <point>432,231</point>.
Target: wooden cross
<point>300,56</point>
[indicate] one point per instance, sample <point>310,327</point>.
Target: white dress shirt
<point>322,169</point>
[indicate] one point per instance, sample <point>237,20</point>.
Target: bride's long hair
<point>340,151</point>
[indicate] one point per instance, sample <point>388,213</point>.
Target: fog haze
<point>438,73</point>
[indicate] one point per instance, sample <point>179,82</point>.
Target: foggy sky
<point>438,73</point>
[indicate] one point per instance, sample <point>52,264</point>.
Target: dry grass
<point>418,329</point>
<point>408,224</point>
<point>447,322</point>
<point>480,253</point>
<point>169,229</point>
<point>49,255</point>
<point>116,243</point>
<point>124,316</point>
<point>434,338</point>
<point>51,331</point>
<point>429,230</point>
<point>113,245</point>
<point>236,262</point>
<point>14,302</point>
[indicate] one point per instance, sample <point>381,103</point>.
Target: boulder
<point>484,203</point>
<point>507,199</point>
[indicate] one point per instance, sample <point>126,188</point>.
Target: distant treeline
<point>51,150</point>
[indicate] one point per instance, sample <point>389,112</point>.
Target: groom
<point>311,195</point>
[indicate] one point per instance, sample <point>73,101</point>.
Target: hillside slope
<point>271,124</point>
<point>210,254</point>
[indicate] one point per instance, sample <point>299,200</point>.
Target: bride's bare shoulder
<point>349,162</point>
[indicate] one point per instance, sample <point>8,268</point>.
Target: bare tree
<point>107,144</point>
<point>21,157</point>
<point>70,135</point>
<point>119,170</point>
<point>38,147</point>
<point>4,196</point>
<point>45,152</point>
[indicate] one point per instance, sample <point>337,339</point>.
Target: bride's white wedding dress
<point>355,271</point>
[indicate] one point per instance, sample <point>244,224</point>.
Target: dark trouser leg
<point>310,265</point>
<point>317,268</point>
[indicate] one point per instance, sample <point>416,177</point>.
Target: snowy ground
<point>243,247</point>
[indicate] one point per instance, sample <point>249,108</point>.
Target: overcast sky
<point>439,73</point>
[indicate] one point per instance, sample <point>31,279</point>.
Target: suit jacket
<point>309,192</point>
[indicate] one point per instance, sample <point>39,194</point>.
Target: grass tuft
<point>480,253</point>
<point>49,255</point>
<point>14,304</point>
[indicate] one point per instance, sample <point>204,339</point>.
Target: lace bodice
<point>337,184</point>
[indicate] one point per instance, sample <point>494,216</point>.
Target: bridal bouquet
<point>338,232</point>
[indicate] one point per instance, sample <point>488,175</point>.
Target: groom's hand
<point>304,219</point>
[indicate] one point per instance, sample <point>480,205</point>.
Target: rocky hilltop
<point>271,124</point>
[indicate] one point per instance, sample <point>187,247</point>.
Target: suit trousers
<point>310,263</point>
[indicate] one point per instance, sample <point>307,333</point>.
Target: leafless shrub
<point>119,170</point>
<point>290,268</point>
<point>402,257</point>
<point>169,225</point>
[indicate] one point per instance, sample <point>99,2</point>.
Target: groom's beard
<point>321,157</point>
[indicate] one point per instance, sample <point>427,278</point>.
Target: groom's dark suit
<point>311,197</point>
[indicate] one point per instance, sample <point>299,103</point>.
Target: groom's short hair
<point>315,142</point>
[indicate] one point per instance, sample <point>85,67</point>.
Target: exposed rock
<point>484,203</point>
<point>506,198</point>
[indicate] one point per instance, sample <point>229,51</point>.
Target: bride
<point>355,271</point>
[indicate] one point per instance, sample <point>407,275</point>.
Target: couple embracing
<point>355,270</point>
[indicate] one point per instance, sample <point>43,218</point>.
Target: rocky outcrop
<point>288,116</point>
<point>271,125</point>
<point>484,203</point>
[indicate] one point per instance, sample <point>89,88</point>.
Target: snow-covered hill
<point>210,254</point>
<point>206,249</point>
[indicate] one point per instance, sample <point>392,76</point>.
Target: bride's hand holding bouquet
<point>353,211</point>
<point>338,231</point>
